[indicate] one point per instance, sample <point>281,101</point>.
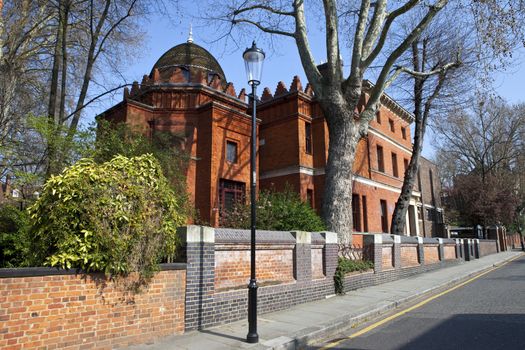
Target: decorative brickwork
<point>56,309</point>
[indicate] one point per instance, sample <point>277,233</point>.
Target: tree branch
<point>265,8</point>
<point>263,28</point>
<point>303,46</point>
<point>377,91</point>
<point>332,42</point>
<point>386,28</point>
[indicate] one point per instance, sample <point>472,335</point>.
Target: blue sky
<point>282,61</point>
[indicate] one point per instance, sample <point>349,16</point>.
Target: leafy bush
<point>281,211</point>
<point>14,242</point>
<point>345,266</point>
<point>116,217</point>
<point>120,139</point>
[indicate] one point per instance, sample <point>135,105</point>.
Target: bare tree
<point>85,29</point>
<point>23,42</point>
<point>370,25</point>
<point>59,51</point>
<point>486,145</point>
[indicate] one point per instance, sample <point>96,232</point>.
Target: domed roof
<point>189,55</point>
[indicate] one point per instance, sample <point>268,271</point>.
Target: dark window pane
<point>395,171</point>
<point>231,151</point>
<point>310,197</point>
<point>384,216</point>
<point>365,215</point>
<point>230,193</point>
<point>356,212</point>
<point>308,137</point>
<point>380,159</point>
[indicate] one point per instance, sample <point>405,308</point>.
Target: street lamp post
<point>253,61</point>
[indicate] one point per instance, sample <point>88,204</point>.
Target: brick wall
<point>487,246</point>
<point>292,268</point>
<point>386,257</point>
<point>449,251</point>
<point>409,255</point>
<point>317,262</point>
<point>431,253</point>
<point>405,256</point>
<point>55,309</point>
<point>232,265</point>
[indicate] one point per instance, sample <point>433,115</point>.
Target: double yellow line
<point>418,305</point>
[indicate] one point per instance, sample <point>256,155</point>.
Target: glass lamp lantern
<point>253,62</point>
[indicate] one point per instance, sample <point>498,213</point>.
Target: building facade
<point>187,94</point>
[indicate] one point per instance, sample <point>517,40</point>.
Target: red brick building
<point>187,93</point>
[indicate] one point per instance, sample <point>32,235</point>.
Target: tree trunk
<point>402,204</point>
<point>400,211</point>
<point>63,85</point>
<point>53,122</point>
<point>337,202</point>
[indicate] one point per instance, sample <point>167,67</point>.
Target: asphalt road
<point>487,313</point>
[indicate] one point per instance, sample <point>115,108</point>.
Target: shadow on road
<point>465,331</point>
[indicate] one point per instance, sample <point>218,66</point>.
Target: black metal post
<point>252,336</point>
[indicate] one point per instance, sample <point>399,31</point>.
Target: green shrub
<point>117,217</point>
<point>14,242</point>
<point>280,211</point>
<point>345,266</point>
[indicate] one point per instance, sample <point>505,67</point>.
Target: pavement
<point>303,324</point>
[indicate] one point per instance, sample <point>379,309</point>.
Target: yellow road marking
<point>418,305</point>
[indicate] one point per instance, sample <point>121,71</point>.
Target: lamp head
<point>253,62</point>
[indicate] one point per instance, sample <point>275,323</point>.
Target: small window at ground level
<point>365,214</point>
<point>230,193</point>
<point>356,212</point>
<point>384,215</point>
<point>310,197</point>
<point>231,151</point>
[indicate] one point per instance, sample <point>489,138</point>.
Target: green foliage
<point>14,241</point>
<point>280,211</point>
<point>345,266</point>
<point>120,139</point>
<point>117,217</point>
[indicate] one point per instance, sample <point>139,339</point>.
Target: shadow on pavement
<point>223,335</point>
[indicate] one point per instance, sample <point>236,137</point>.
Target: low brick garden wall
<point>487,247</point>
<point>398,257</point>
<point>292,268</point>
<point>57,309</point>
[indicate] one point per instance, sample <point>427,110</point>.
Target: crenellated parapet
<point>180,76</point>
<point>296,86</point>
